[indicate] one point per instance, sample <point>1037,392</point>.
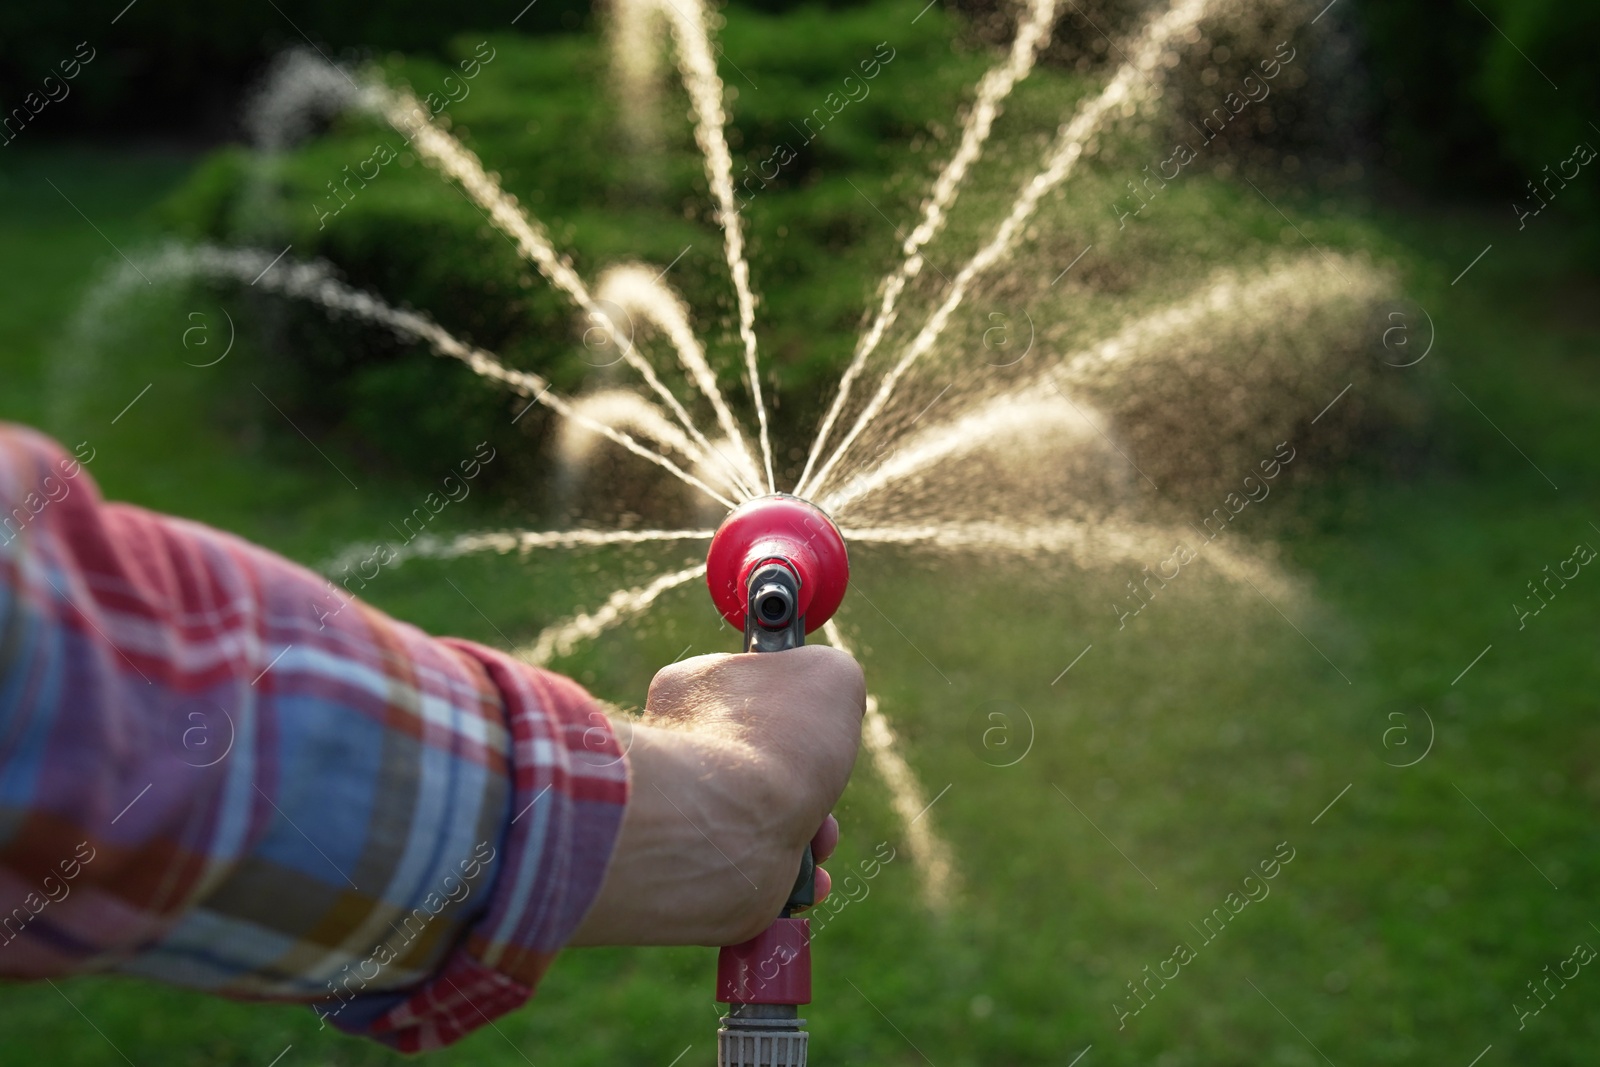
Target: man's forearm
<point>278,791</point>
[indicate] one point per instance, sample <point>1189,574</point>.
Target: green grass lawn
<point>1175,757</point>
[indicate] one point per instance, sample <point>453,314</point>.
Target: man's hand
<point>735,763</point>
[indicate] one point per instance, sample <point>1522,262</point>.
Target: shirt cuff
<point>569,789</point>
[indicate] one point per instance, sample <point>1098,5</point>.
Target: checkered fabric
<point>219,771</point>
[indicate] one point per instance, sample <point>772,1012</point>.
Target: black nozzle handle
<point>773,623</point>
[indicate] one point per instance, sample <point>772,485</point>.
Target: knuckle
<point>846,675</point>
<point>676,682</point>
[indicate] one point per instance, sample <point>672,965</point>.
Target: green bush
<point>1541,121</point>
<point>540,115</point>
<point>1465,102</point>
<point>823,230</point>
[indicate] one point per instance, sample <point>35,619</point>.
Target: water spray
<point>777,570</point>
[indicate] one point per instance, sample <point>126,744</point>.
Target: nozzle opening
<point>772,598</point>
<point>774,608</point>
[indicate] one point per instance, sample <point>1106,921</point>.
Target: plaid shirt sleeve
<point>219,771</point>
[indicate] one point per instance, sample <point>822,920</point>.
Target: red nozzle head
<point>785,528</point>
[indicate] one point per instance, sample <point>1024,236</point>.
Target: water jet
<point>916,450</point>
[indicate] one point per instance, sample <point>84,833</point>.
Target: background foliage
<point>538,116</point>
<point>1456,106</point>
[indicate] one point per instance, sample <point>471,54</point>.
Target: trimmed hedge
<point>540,116</point>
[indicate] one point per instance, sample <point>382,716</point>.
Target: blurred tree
<point>1475,99</point>
<point>1543,95</point>
<point>1423,61</point>
<point>1461,96</point>
<point>1459,99</point>
<point>179,67</point>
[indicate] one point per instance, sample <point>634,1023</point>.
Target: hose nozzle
<point>777,570</point>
